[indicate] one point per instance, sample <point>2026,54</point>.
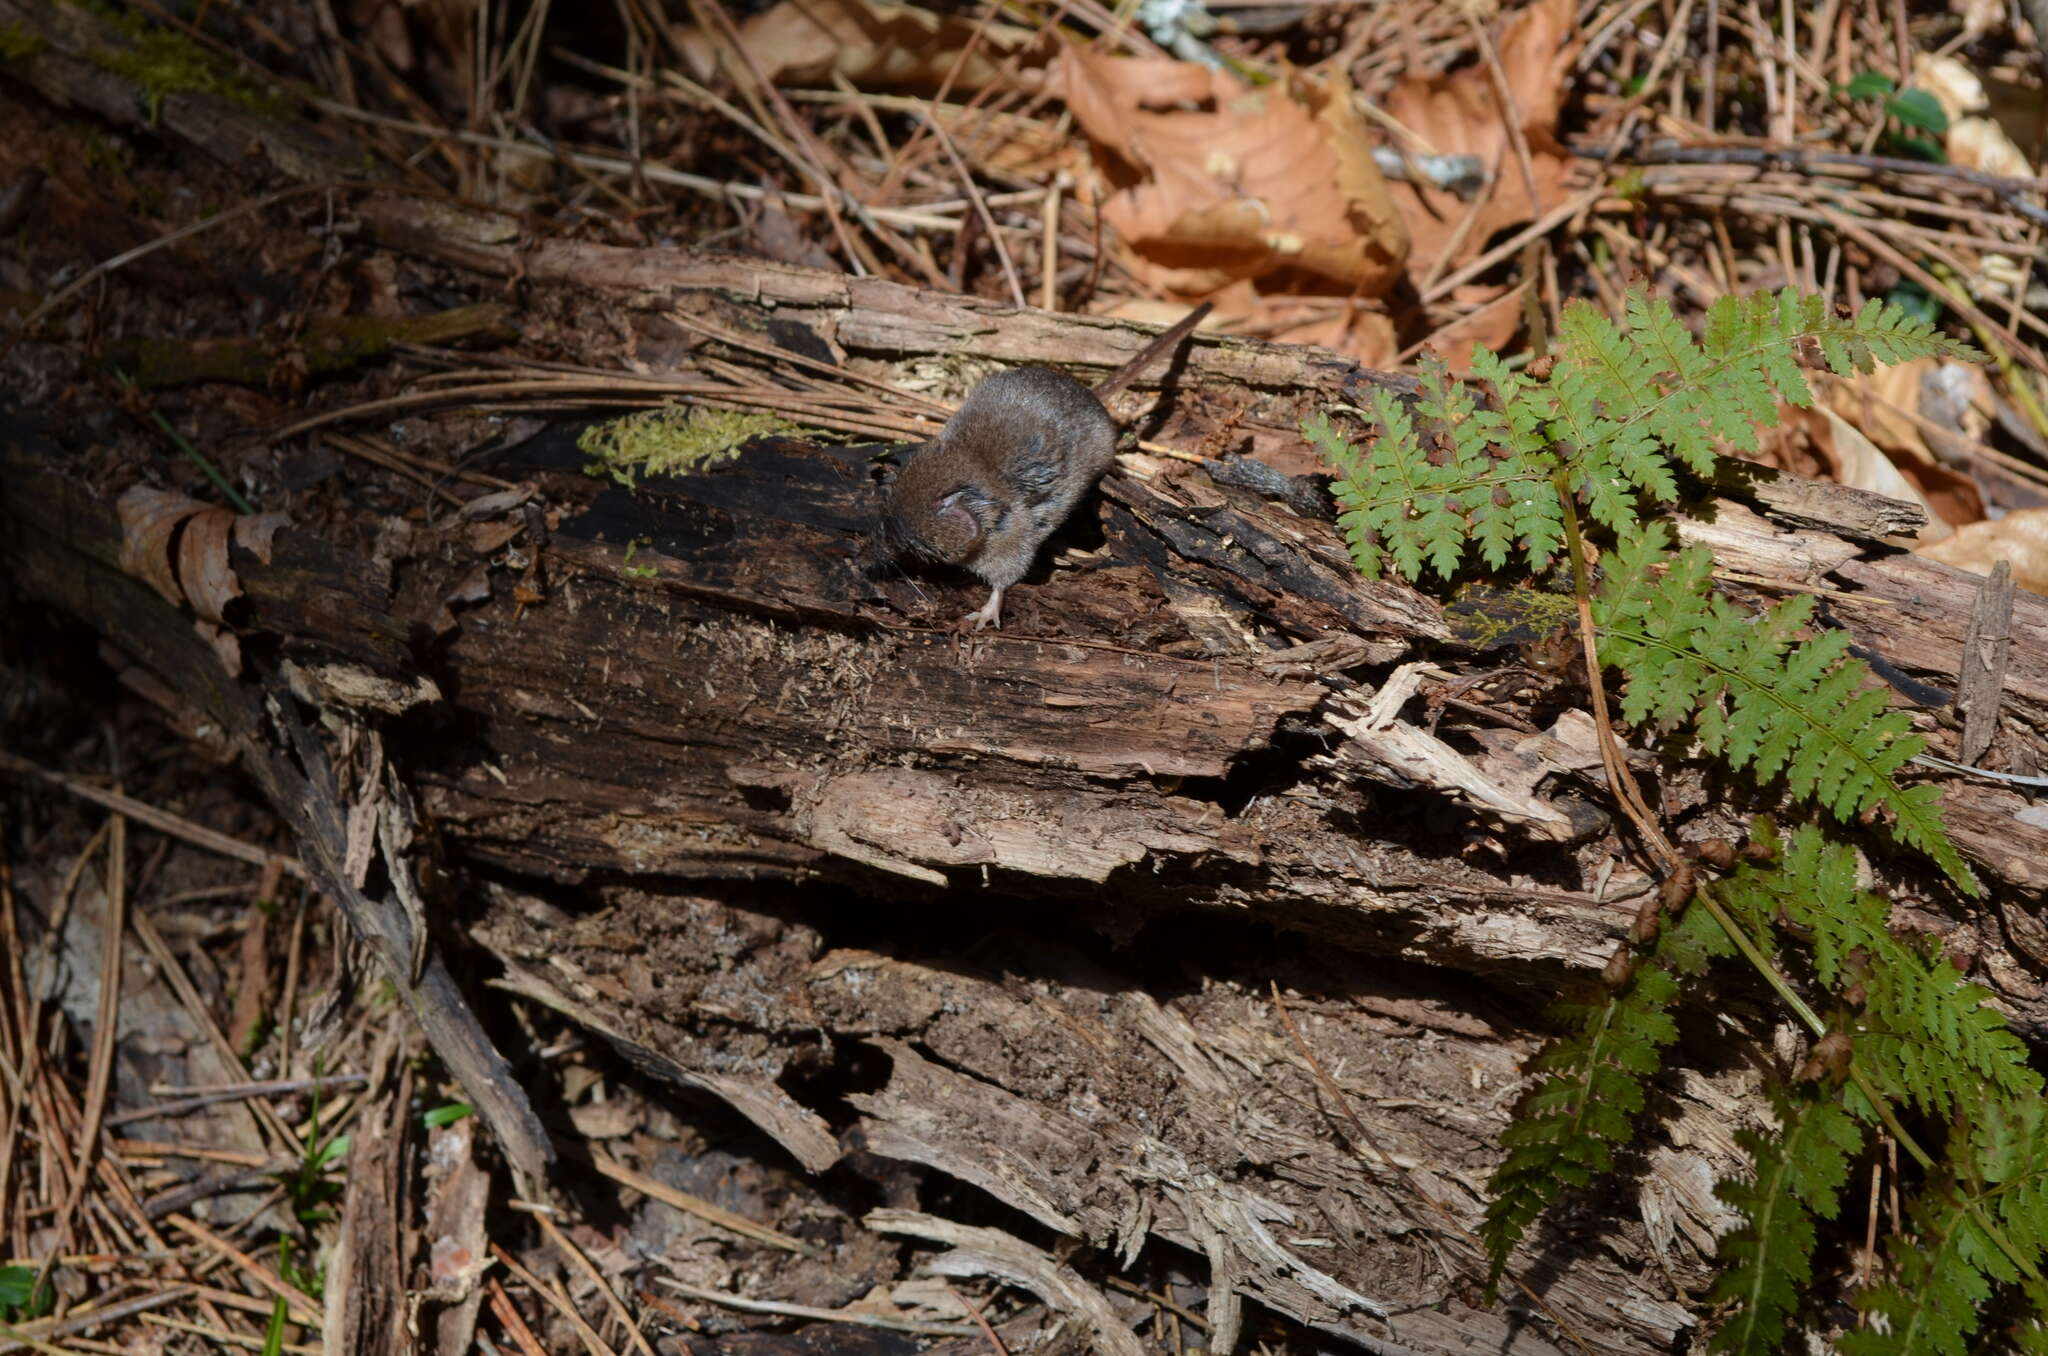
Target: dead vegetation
<point>450,899</point>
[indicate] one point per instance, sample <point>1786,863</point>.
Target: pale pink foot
<point>991,613</point>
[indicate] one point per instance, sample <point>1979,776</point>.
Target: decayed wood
<point>1986,646</point>
<point>1176,723</point>
<point>1103,1114</point>
<point>762,706</point>
<point>365,1291</point>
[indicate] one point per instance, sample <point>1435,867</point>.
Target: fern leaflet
<point>1769,1259</point>
<point>1929,1038</point>
<point>1946,1271</point>
<point>1622,411</point>
<point>1591,1091</point>
<point>1759,697</point>
<point>1420,509</point>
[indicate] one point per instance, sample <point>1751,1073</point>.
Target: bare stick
<point>754,1306</point>
<point>995,236</point>
<point>163,821</point>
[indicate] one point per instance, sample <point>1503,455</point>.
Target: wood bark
<point>743,806</point>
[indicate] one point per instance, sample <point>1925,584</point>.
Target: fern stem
<point>1626,793</point>
<point>1754,954</point>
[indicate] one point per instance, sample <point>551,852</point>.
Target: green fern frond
<point>1769,1260</point>
<point>1987,1225</point>
<point>1930,1038</point>
<point>1815,889</point>
<point>1924,1035</point>
<point>1625,412</point>
<point>1932,1304</point>
<point>1758,697</point>
<point>1591,1092</point>
<point>2030,1335</point>
<point>2009,1156</point>
<point>1420,507</point>
<point>1623,409</point>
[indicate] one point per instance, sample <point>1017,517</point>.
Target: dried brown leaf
<point>1245,184</point>
<point>1487,320</point>
<point>1873,401</point>
<point>203,569</point>
<point>225,645</point>
<point>1872,404</point>
<point>1459,113</point>
<point>1855,461</point>
<point>253,533</point>
<point>179,547</point>
<point>2020,537</point>
<point>149,520</point>
<point>1981,144</point>
<point>871,44</point>
<point>1979,16</point>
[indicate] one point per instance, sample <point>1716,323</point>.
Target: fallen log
<point>704,680</point>
<point>727,796</point>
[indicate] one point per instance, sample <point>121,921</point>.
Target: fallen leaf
<point>149,519</point>
<point>1875,406</point>
<point>1878,402</point>
<point>203,568</point>
<point>179,547</point>
<point>1246,183</point>
<point>225,646</point>
<point>802,42</point>
<point>1979,16</point>
<point>1981,144</point>
<point>254,531</point>
<point>1459,113</point>
<point>1367,336</point>
<point>2020,537</point>
<point>1489,314</point>
<point>1972,141</point>
<point>1954,85</point>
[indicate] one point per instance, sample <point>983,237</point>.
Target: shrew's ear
<point>956,513</point>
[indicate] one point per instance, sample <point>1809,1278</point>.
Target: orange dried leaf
<point>203,568</point>
<point>1854,460</point>
<point>1877,406</point>
<point>179,547</point>
<point>1244,184</point>
<point>253,532</point>
<point>1459,113</point>
<point>226,646</point>
<point>1873,402</point>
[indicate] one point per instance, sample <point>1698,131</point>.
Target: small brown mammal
<point>1007,469</point>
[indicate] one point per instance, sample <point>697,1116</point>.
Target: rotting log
<point>729,815</point>
<point>704,681</point>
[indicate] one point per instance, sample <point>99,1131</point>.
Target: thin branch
<point>988,220</point>
<point>754,1306</point>
<point>163,821</point>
